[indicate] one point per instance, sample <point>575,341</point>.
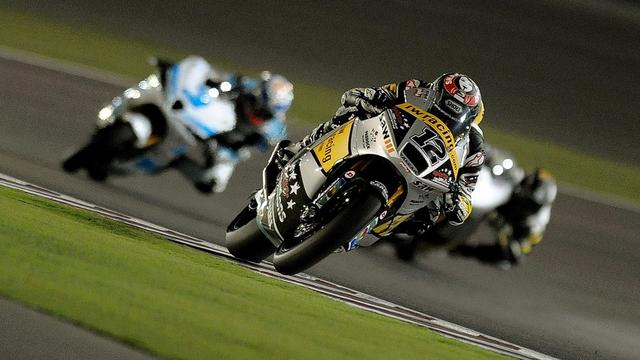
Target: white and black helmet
<point>457,102</point>
<point>277,93</point>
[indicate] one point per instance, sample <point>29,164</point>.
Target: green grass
<point>312,104</point>
<point>180,303</point>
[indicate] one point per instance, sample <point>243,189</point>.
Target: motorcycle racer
<point>261,107</point>
<point>519,223</point>
<point>188,85</point>
<point>457,102</point>
<point>515,205</point>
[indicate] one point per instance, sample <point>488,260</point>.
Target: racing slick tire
<point>355,213</point>
<point>243,238</point>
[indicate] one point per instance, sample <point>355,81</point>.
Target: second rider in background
<point>260,112</point>
<point>261,107</point>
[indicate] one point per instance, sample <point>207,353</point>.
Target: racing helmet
<point>457,102</point>
<point>277,93</point>
<point>539,186</point>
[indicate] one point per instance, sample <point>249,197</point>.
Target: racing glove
<point>457,207</point>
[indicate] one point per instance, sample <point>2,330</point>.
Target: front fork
<point>388,188</point>
<point>348,176</point>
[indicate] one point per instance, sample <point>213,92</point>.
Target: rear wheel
<point>357,209</point>
<point>244,240</point>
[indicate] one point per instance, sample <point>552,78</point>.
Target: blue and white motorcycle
<point>151,126</point>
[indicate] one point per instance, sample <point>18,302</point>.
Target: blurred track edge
<point>327,288</point>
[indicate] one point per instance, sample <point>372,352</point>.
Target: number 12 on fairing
<point>431,145</point>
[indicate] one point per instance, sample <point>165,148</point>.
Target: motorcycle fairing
<point>158,153</point>
<point>334,147</point>
<point>384,137</point>
<point>204,110</point>
<point>388,225</point>
<point>279,212</point>
<point>433,145</point>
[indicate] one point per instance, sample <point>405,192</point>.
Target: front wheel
<point>107,144</point>
<point>244,240</point>
<point>356,212</point>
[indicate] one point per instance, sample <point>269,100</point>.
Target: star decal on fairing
<point>294,188</point>
<point>290,204</point>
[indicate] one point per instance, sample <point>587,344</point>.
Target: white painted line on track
<point>110,78</point>
<point>65,67</point>
<point>335,291</point>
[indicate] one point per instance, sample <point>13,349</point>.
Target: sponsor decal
<point>422,186</point>
<point>369,138</point>
<point>407,164</point>
<point>279,208</point>
<point>387,227</point>
<point>388,143</point>
<point>439,127</point>
<point>404,165</point>
<point>366,143</point>
<point>334,148</point>
<point>350,174</point>
<point>454,106</point>
<point>416,202</point>
<point>385,128</point>
<point>330,192</point>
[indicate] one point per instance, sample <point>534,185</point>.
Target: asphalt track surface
<point>28,334</point>
<point>576,297</point>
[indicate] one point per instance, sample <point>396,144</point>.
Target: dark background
<point>566,71</point>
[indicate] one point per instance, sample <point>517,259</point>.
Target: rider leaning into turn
<point>261,107</point>
<point>457,102</point>
<point>520,223</point>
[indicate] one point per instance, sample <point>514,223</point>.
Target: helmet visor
<point>457,116</point>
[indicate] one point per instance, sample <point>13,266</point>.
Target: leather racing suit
<point>222,152</point>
